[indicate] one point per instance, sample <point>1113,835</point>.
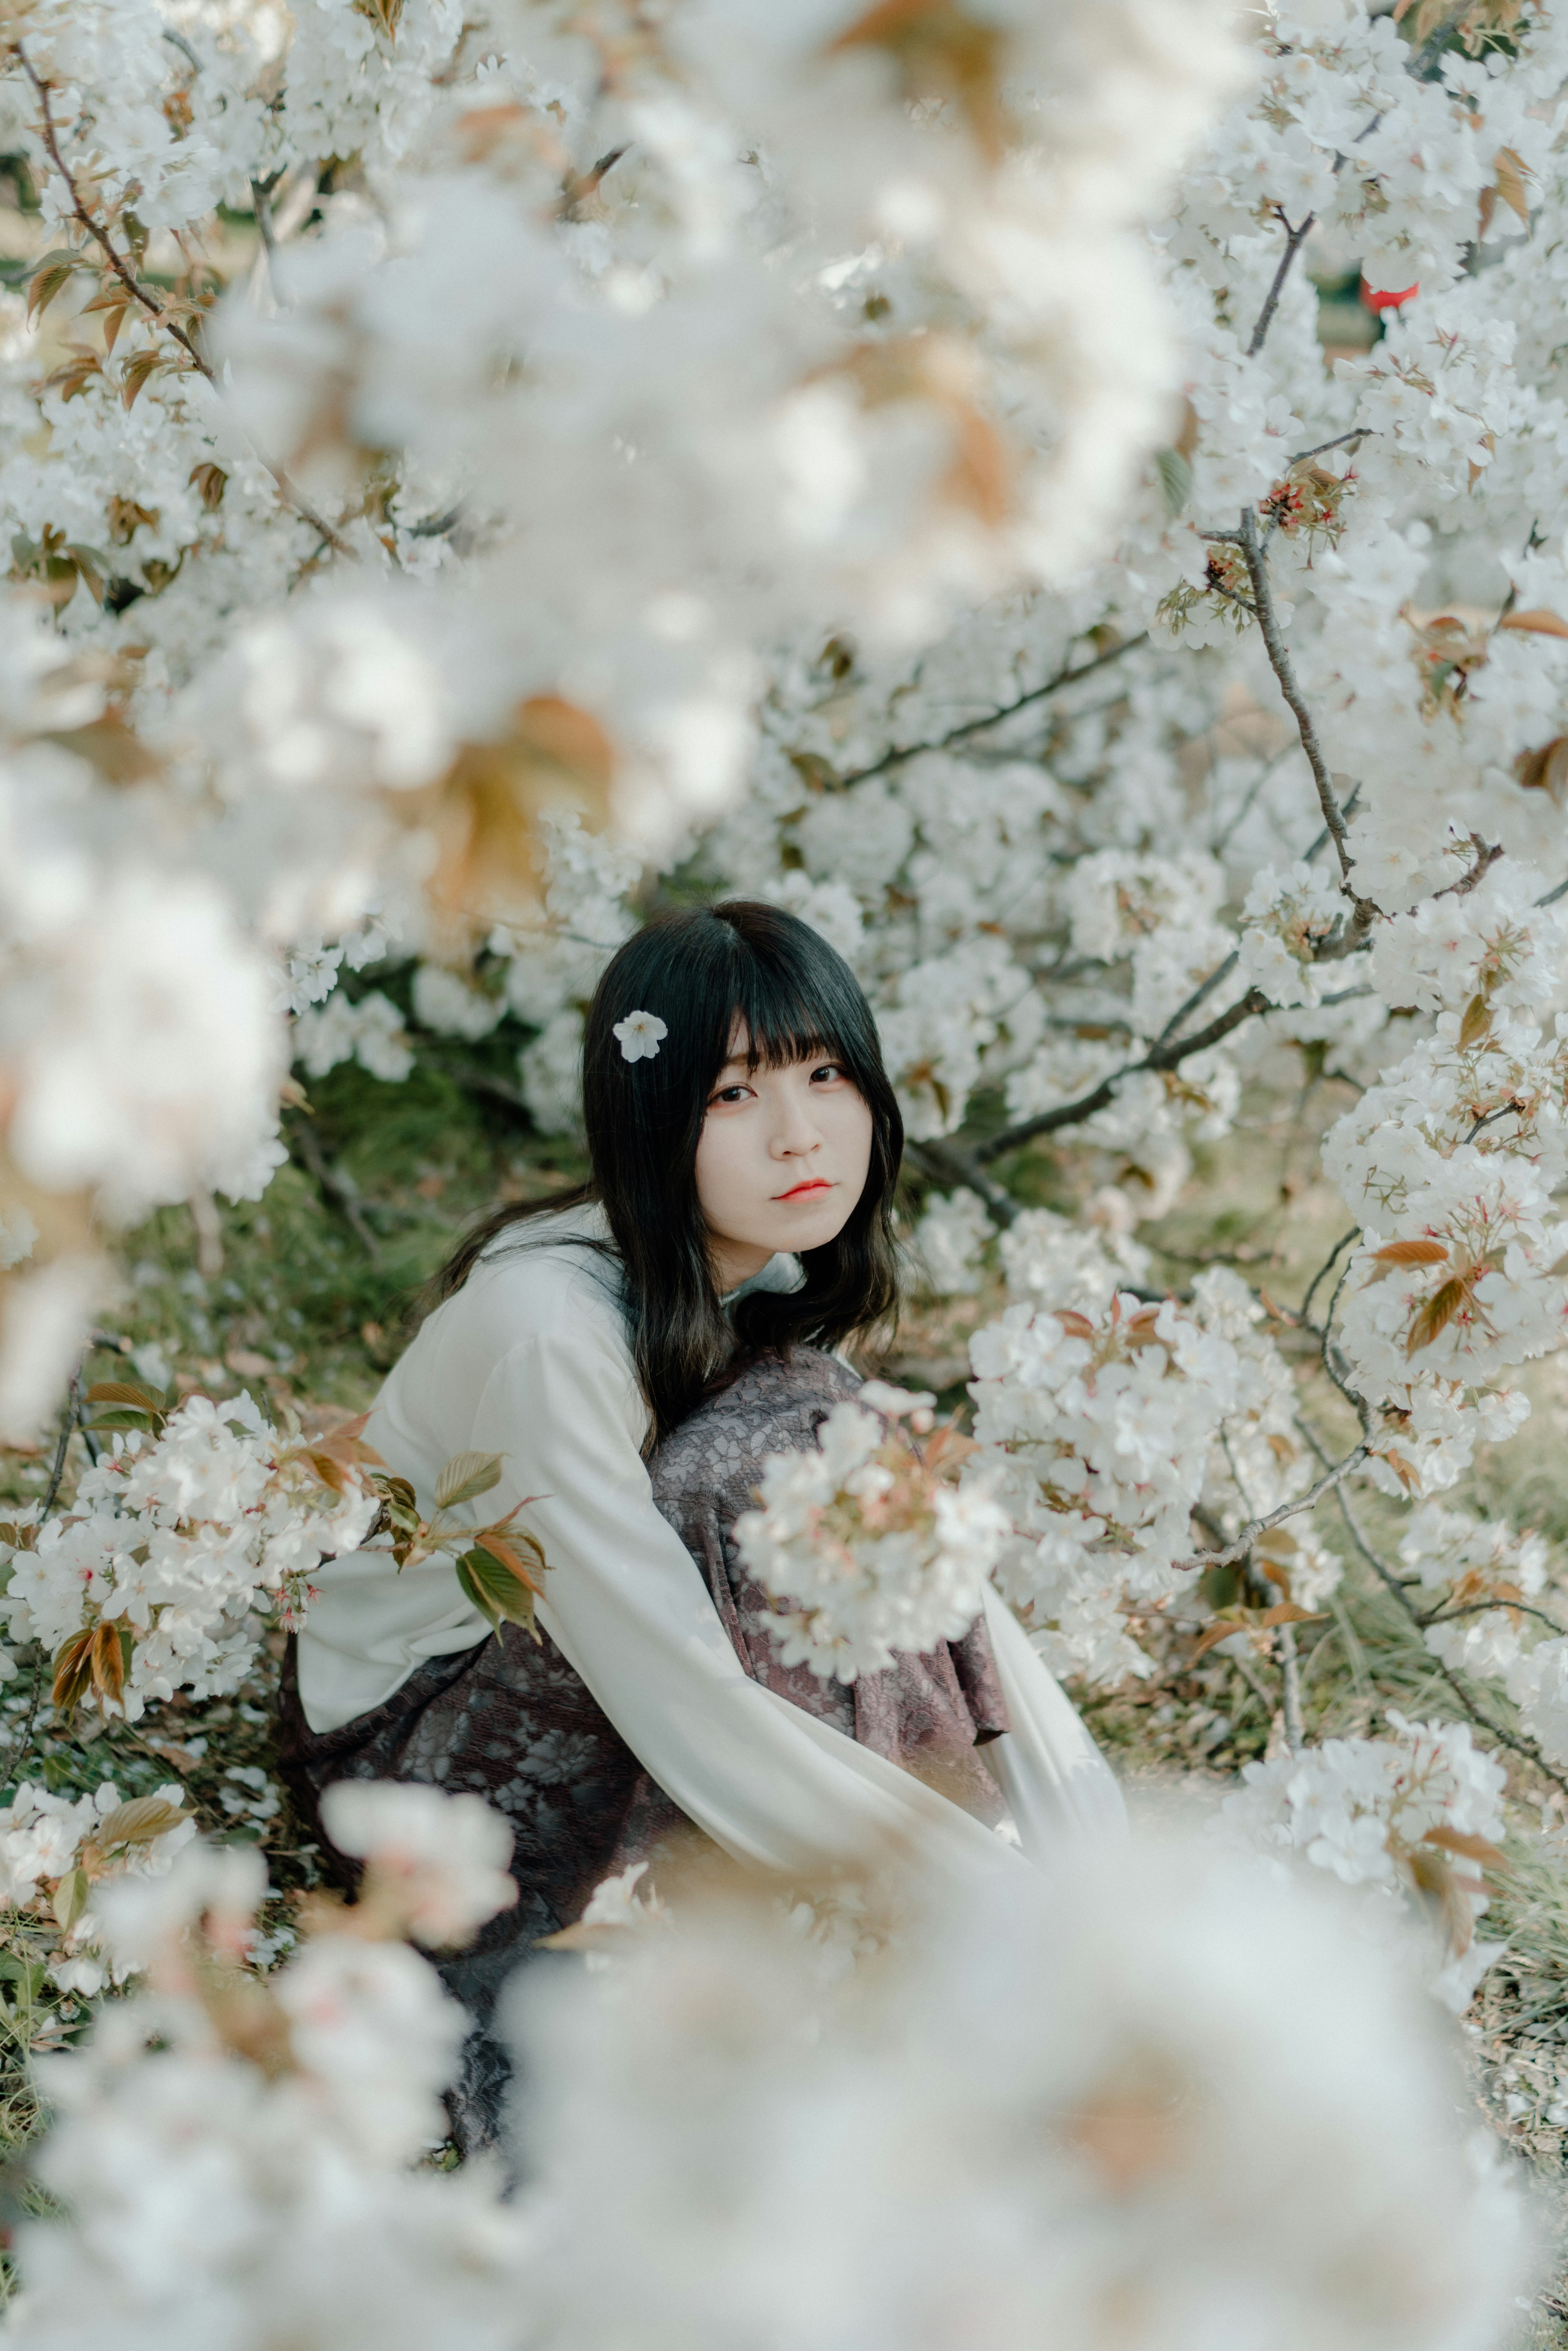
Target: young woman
<point>634,1354</point>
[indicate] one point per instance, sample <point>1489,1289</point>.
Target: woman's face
<point>782,1161</point>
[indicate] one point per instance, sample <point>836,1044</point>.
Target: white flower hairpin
<point>639,1034</point>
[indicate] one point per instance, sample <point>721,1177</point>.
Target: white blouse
<point>530,1360</point>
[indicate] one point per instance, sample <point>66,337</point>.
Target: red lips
<point>803,1191</point>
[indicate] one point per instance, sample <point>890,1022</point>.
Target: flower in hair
<point>639,1034</point>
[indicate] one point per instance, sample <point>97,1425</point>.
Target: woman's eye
<point>828,1070</point>
<point>732,1094</point>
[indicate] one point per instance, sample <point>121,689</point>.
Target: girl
<point>634,1353</point>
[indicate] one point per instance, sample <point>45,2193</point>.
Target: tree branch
<point>948,1162</point>
<point>1294,240</point>
<point>1063,677</point>
<point>1284,671</point>
<point>121,268</point>
<point>150,302</point>
<point>1330,1480</point>
<point>1159,1058</point>
<point>1519,1741</point>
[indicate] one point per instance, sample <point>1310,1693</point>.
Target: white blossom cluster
<point>1097,1430</point>
<point>58,1858</point>
<point>172,1543</point>
<point>239,2155</point>
<point>1484,1573</point>
<point>1419,1810</point>
<point>867,1546</point>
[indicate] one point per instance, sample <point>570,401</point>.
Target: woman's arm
<point>627,1605</point>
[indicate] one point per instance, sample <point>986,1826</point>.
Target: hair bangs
<point>794,1008</point>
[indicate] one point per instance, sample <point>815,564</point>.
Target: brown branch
<point>1519,1741</point>
<point>1294,240</point>
<point>947,1162</point>
<point>1328,1483</point>
<point>156,309</point>
<point>1284,671</point>
<point>1063,677</point>
<point>1159,1058</point>
<point>100,236</point>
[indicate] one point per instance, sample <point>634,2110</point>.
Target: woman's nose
<point>796,1130</point>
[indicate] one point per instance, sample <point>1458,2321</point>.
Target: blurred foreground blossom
<point>1166,2102</point>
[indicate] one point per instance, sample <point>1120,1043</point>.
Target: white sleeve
<point>627,1605</point>
<point>1058,1785</point>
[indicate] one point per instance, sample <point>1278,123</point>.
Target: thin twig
<point>156,309</point>
<point>1519,1741</point>
<point>68,1423</point>
<point>948,1162</point>
<point>1284,671</point>
<point>1221,971</point>
<point>1358,433</point>
<point>1158,1059</point>
<point>121,268</point>
<point>1325,1268</point>
<point>1063,678</point>
<point>1290,1689</point>
<point>1294,240</point>
<point>1424,58</point>
<point>1326,1484</point>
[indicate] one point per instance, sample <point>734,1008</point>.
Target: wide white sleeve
<point>1059,1787</point>
<point>627,1605</point>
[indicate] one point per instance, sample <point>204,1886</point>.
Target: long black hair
<point>699,971</point>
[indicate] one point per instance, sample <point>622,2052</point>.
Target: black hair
<point>698,971</point>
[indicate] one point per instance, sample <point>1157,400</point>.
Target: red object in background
<point>1388,300</point>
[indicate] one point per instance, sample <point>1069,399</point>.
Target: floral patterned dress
<point>512,1721</point>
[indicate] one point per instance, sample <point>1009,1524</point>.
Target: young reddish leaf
<point>135,373</point>
<point>209,482</point>
<point>128,1391</point>
<point>1510,169</point>
<point>1410,1253</point>
<point>108,1664</point>
<point>1436,1314</point>
<point>1221,1629</point>
<point>465,1477</point>
<point>1537,622</point>
<point>73,1671</point>
<point>1474,1848</point>
<point>1076,1325</point>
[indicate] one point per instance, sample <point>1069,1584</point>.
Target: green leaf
<point>125,1419</point>
<point>496,1592</point>
<point>1175,476</point>
<point>70,1899</point>
<point>129,1392</point>
<point>138,1821</point>
<point>466,1476</point>
<point>49,276</point>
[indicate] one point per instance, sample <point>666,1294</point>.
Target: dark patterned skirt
<point>511,1721</point>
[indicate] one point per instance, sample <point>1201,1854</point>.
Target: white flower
<point>641,1034</point>
<point>442,1858</point>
